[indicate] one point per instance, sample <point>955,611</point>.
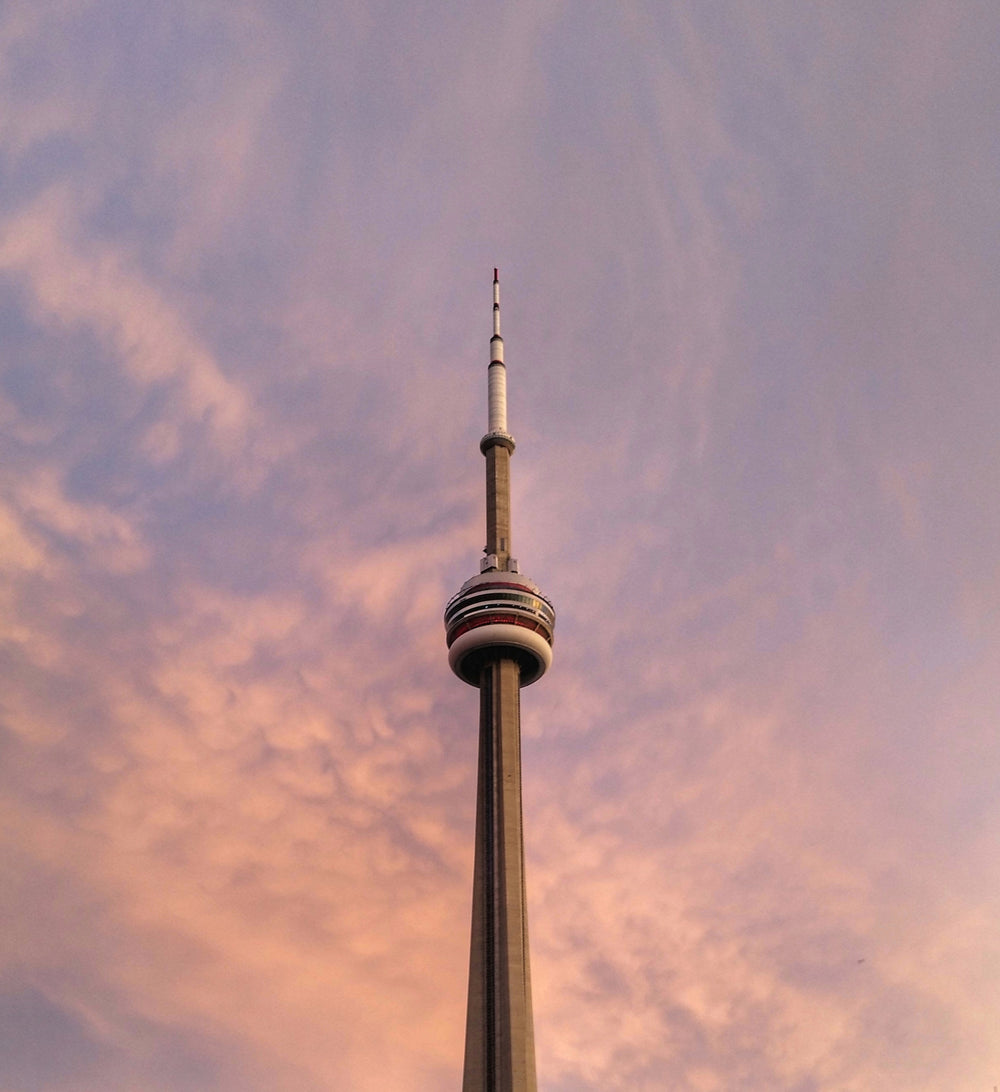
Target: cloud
<point>97,290</point>
<point>750,329</point>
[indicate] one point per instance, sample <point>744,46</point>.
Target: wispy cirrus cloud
<point>748,293</point>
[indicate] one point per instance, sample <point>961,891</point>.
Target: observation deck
<point>495,615</point>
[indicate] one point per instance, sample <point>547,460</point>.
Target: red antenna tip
<point>496,275</point>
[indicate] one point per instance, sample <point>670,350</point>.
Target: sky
<point>750,265</point>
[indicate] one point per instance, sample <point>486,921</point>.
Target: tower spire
<point>499,629</point>
<point>498,446</point>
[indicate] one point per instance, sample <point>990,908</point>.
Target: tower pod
<point>498,613</point>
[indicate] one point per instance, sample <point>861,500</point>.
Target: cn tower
<point>499,630</point>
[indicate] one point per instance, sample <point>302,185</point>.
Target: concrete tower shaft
<point>499,1027</point>
<point>498,543</point>
<point>499,629</point>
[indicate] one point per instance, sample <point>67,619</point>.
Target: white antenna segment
<point>498,371</point>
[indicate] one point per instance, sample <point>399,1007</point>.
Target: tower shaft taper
<point>499,1036</point>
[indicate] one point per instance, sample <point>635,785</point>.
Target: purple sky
<point>750,258</point>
